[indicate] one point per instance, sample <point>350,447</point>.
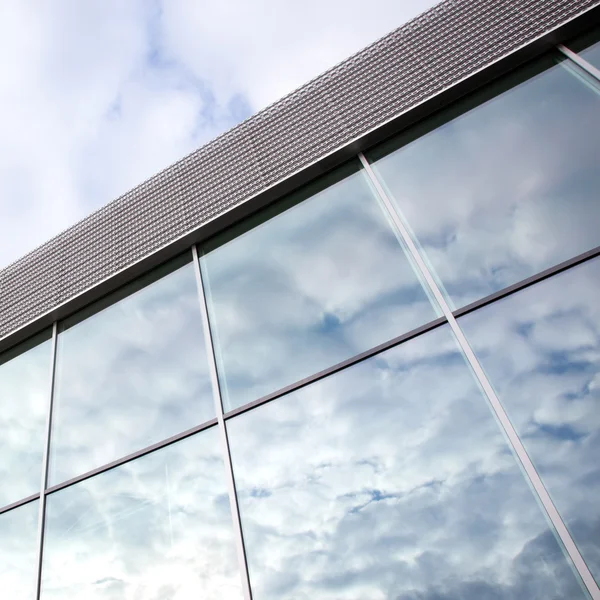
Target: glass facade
<point>592,55</point>
<point>298,293</point>
<point>129,376</point>
<point>391,479</point>
<point>506,189</point>
<point>541,350</point>
<point>24,402</point>
<point>18,551</point>
<point>340,433</point>
<point>159,524</point>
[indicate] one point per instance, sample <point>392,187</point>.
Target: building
<point>349,349</point>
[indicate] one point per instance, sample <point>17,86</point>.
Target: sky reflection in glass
<point>391,480</point>
<point>24,401</point>
<point>312,286</point>
<point>130,376</point>
<point>592,54</point>
<point>18,552</point>
<point>505,190</point>
<point>541,350</point>
<point>159,527</point>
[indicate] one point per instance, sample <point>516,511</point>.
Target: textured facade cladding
<point>430,53</point>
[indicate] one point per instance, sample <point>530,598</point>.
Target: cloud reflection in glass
<point>24,401</point>
<point>592,54</point>
<point>18,551</point>
<point>391,479</point>
<point>508,188</point>
<point>541,350</point>
<point>130,376</point>
<point>158,527</point>
<point>310,287</point>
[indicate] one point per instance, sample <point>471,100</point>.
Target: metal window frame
<point>132,456</point>
<point>528,281</point>
<point>21,502</point>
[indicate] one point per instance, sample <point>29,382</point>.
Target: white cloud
<point>98,96</point>
<point>265,49</point>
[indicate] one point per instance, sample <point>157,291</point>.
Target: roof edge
<point>574,26</point>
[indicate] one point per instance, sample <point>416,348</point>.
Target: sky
<point>98,96</point>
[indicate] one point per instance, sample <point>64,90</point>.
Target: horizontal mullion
<point>337,367</point>
<point>18,503</point>
<point>529,281</point>
<point>138,454</point>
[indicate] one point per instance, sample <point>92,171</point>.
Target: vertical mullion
<point>494,401</point>
<point>580,62</point>
<point>233,502</point>
<point>45,464</point>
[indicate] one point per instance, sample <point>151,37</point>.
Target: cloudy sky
<point>98,96</point>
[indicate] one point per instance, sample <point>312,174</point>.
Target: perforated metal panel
<point>414,62</point>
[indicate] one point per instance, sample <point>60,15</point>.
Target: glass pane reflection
<point>18,552</point>
<point>24,401</point>
<point>541,350</point>
<point>391,480</point>
<point>507,189</point>
<point>312,286</point>
<point>592,54</point>
<point>130,376</point>
<point>157,527</point>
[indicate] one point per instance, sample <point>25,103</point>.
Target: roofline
<point>576,25</point>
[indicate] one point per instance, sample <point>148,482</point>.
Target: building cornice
<point>448,52</point>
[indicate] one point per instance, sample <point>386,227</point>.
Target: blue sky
<point>98,96</point>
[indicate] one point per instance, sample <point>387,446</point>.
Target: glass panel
<point>507,189</point>
<point>24,401</point>
<point>156,527</point>
<point>309,288</point>
<point>541,350</point>
<point>588,47</point>
<point>130,376</point>
<point>391,479</point>
<point>592,54</point>
<point>18,552</point>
